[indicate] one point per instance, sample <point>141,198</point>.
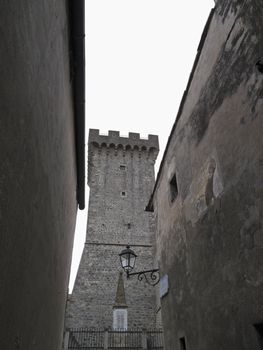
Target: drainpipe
<point>77,25</point>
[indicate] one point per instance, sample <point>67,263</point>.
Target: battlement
<point>131,142</point>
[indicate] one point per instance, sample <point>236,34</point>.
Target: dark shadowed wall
<point>37,173</point>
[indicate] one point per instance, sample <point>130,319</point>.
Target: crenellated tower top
<point>120,147</point>
<point>133,141</point>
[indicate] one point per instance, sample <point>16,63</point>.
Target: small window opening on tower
<point>123,167</point>
<point>129,225</point>
<point>182,343</point>
<point>259,329</point>
<point>123,194</point>
<point>173,188</point>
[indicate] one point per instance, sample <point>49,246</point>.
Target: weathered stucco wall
<point>116,164</point>
<point>37,173</point>
<point>210,238</point>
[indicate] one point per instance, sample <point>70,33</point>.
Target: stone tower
<point>121,179</point>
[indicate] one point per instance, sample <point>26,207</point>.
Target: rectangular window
<point>173,188</point>
<point>123,194</point>
<point>122,167</point>
<point>120,319</point>
<point>259,329</point>
<point>182,343</point>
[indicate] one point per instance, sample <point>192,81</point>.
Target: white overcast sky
<point>139,54</point>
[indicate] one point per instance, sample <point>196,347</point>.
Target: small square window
<point>173,188</point>
<point>123,194</point>
<point>122,167</point>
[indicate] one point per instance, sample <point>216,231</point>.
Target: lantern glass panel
<point>125,261</point>
<point>132,261</point>
<point>127,258</point>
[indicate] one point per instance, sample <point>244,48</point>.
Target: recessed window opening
<point>120,319</point>
<point>182,343</point>
<point>129,225</point>
<point>259,329</point>
<point>173,188</point>
<point>122,167</point>
<point>123,194</point>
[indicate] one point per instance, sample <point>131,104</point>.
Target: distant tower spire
<point>120,300</point>
<point>120,312</point>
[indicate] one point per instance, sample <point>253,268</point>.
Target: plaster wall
<point>37,173</point>
<point>210,238</point>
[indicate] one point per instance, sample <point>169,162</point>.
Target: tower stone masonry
<point>121,179</point>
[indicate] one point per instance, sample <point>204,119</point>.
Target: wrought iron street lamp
<point>128,259</point>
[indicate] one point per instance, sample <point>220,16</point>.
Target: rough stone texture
<point>209,240</point>
<point>37,173</point>
<point>113,222</point>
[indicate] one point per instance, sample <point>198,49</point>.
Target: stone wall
<point>121,179</point>
<point>37,173</point>
<point>210,238</point>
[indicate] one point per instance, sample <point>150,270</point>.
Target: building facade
<point>121,179</point>
<point>208,198</point>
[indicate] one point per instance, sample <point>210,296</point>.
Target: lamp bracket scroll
<point>152,277</point>
<point>128,258</point>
